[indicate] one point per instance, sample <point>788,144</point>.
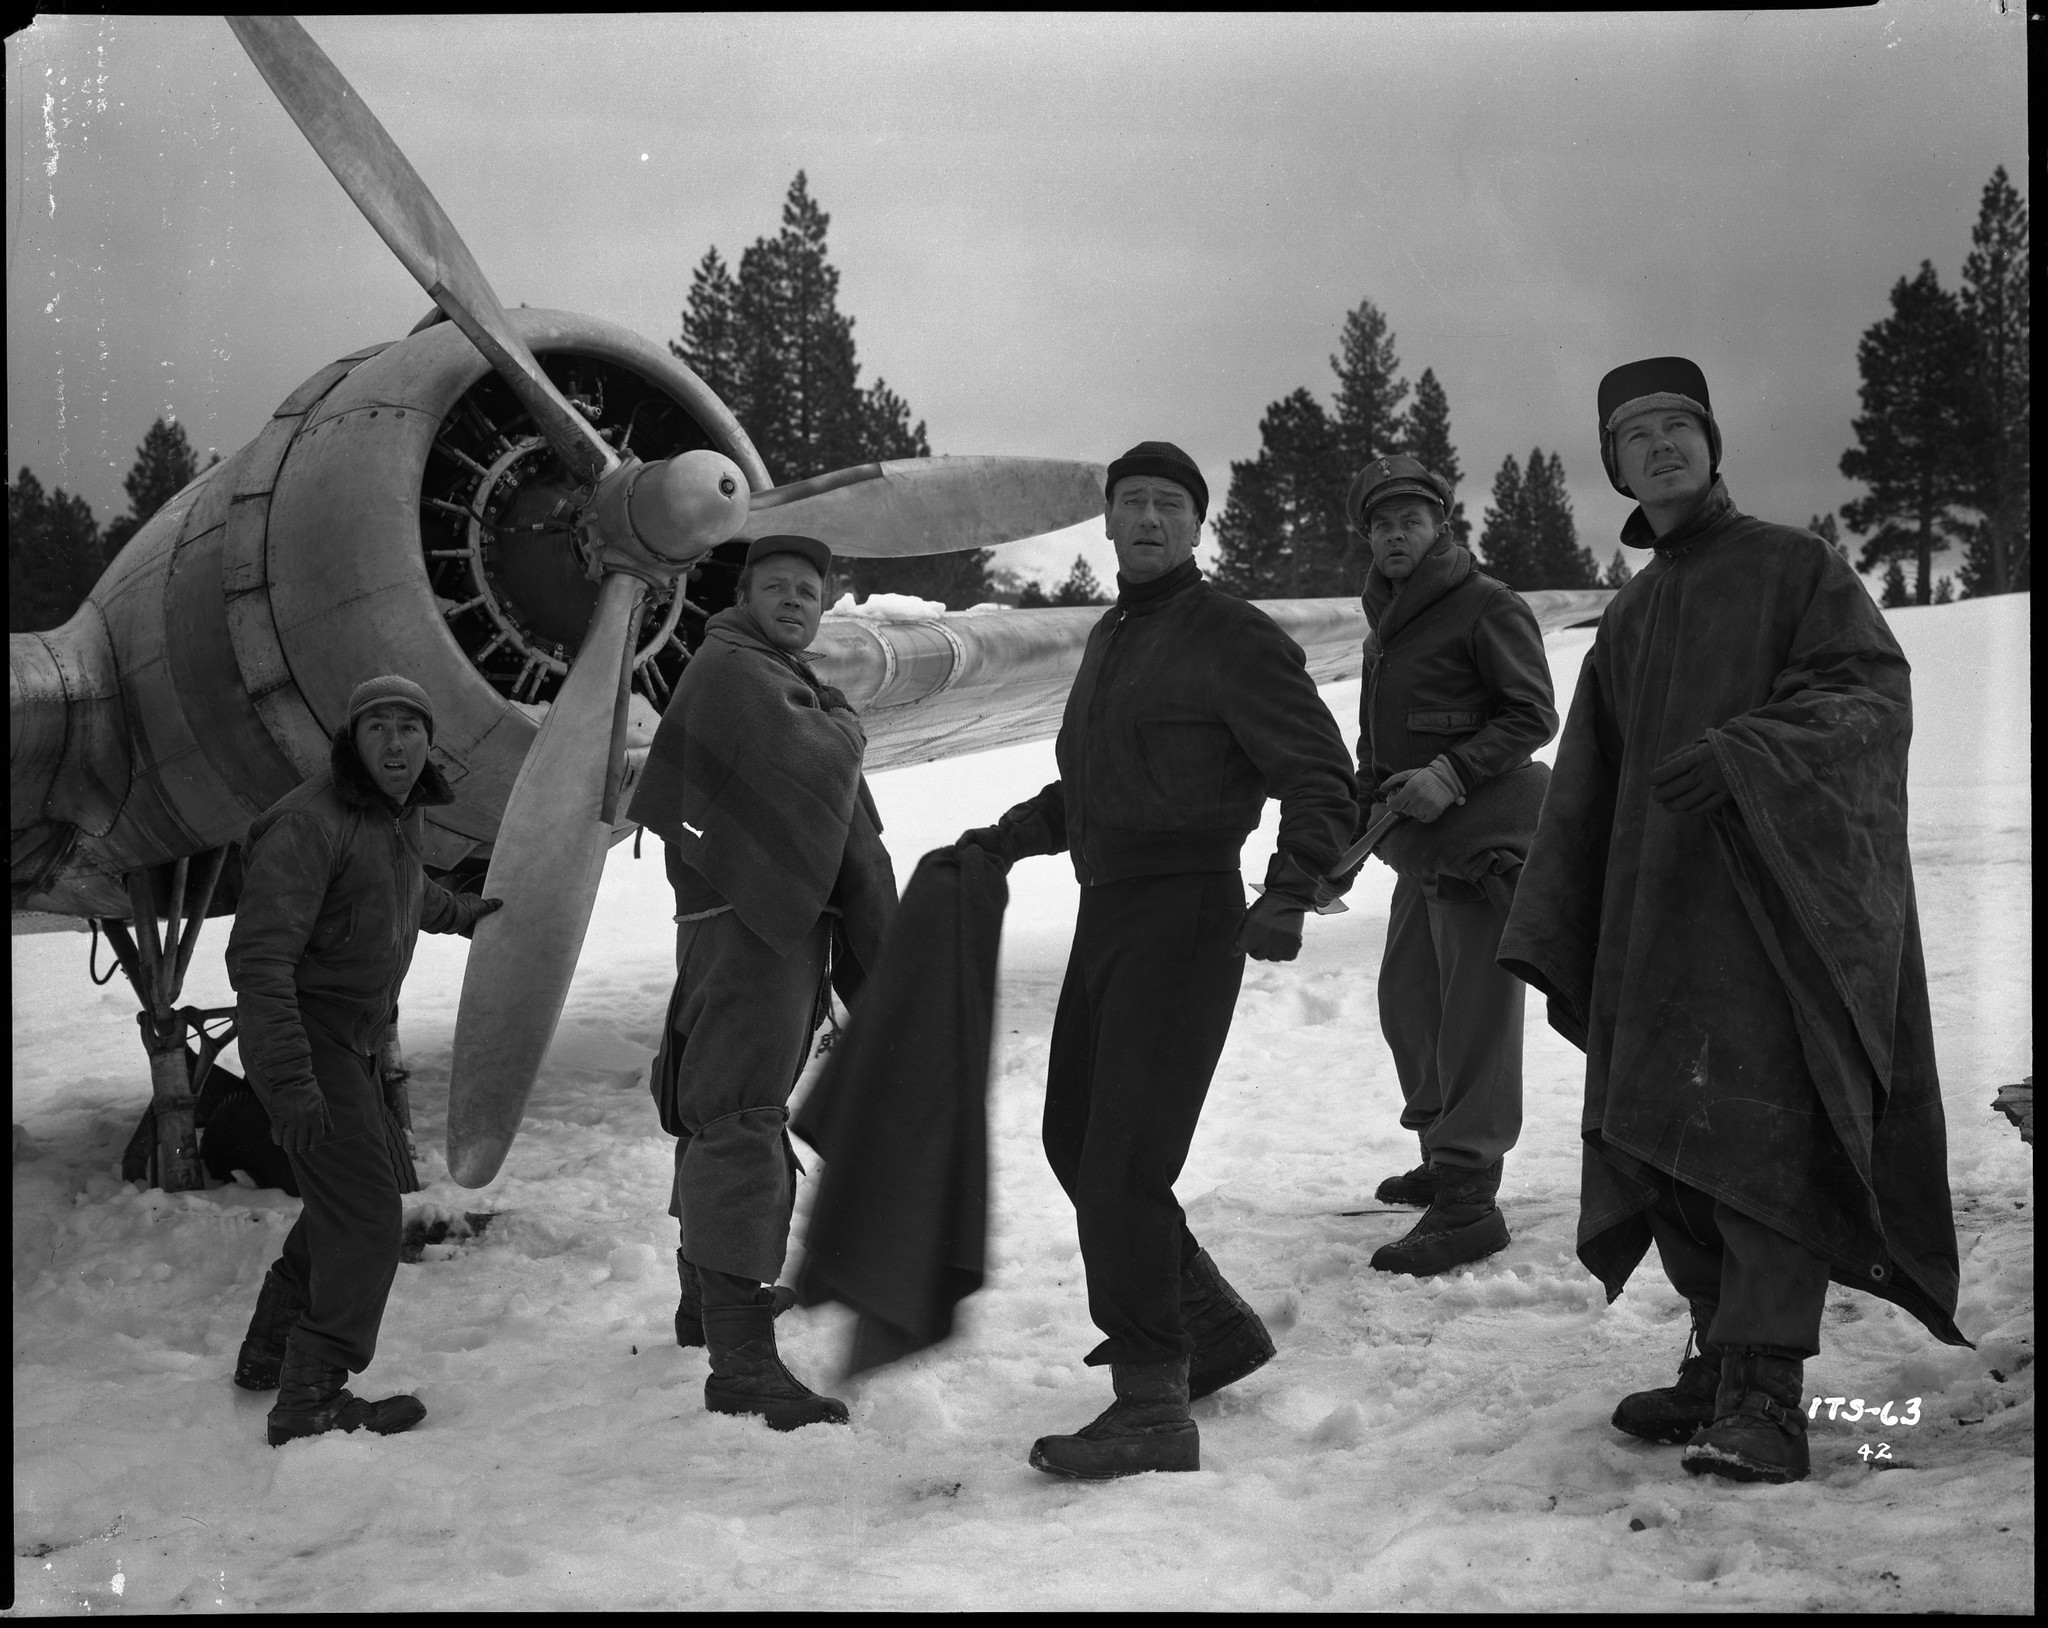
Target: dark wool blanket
<point>754,781</point>
<point>900,1117</point>
<point>1747,985</point>
<point>1483,840</point>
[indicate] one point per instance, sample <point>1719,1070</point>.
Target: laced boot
<point>689,1308</point>
<point>1230,1341</point>
<point>1417,1186</point>
<point>1759,1428</point>
<point>311,1402</point>
<point>747,1376</point>
<point>1461,1225</point>
<point>1147,1427</point>
<point>1671,1416</point>
<point>278,1310</point>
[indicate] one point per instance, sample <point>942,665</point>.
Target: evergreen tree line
<point>1283,532</point>
<point>1944,441</point>
<point>56,549</point>
<point>774,344</point>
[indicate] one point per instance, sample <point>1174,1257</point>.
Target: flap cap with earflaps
<point>1641,387</point>
<point>806,548</point>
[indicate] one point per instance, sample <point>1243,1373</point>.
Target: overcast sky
<point>1057,234</point>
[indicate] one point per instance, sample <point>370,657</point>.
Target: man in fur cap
<point>1719,906</point>
<point>1455,696</point>
<point>333,898</point>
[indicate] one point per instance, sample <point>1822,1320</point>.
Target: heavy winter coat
<point>754,782</point>
<point>1455,668</point>
<point>1190,709</point>
<point>333,899</point>
<point>1747,984</point>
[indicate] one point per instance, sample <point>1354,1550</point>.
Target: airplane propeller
<point>639,524</point>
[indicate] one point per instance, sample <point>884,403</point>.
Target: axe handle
<point>1352,856</point>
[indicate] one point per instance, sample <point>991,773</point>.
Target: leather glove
<point>994,841</point>
<point>1690,780</point>
<point>298,1117</point>
<point>1272,928</point>
<point>1423,794</point>
<point>833,699</point>
<point>475,910</point>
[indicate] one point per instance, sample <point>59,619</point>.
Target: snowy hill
<point>1428,1444</point>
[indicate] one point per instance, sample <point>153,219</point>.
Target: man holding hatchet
<point>1456,695</point>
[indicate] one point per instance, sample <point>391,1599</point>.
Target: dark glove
<point>1272,928</point>
<point>1690,780</point>
<point>994,841</point>
<point>833,699</point>
<point>474,910</point>
<point>298,1117</point>
<point>1423,794</point>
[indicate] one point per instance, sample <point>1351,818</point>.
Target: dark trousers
<point>1150,989</point>
<point>1453,1020</point>
<point>1750,1284</point>
<point>740,1025</point>
<point>341,1255</point>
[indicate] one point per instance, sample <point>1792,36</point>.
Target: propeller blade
<point>930,505</point>
<point>545,865</point>
<point>392,197</point>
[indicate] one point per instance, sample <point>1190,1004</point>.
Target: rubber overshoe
<point>747,1375</point>
<point>1674,1414</point>
<point>312,1401</point>
<point>1417,1186</point>
<point>1230,1341</point>
<point>261,1359</point>
<point>1759,1428</point>
<point>1146,1428</point>
<point>1461,1225</point>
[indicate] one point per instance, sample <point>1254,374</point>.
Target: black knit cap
<point>1641,387</point>
<point>1167,462</point>
<point>805,548</point>
<point>1393,474</point>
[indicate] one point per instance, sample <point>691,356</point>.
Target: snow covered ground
<point>1421,1444</point>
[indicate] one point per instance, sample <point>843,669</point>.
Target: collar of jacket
<point>1435,574</point>
<point>1715,507</point>
<point>353,785</point>
<point>1141,598</point>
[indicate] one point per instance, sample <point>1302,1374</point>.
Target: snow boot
<point>278,1311</point>
<point>1759,1428</point>
<point>1146,1428</point>
<point>1461,1225</point>
<point>1672,1415</point>
<point>311,1402</point>
<point>1417,1186</point>
<point>1230,1341</point>
<point>747,1376</point>
<point>690,1308</point>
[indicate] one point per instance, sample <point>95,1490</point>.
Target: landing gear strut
<point>156,962</point>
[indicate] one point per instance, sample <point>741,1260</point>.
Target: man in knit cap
<point>774,847</point>
<point>1190,709</point>
<point>333,898</point>
<point>1456,695</point>
<point>1719,906</point>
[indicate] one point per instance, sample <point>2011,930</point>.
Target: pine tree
<point>1558,561</point>
<point>1823,526</point>
<point>1914,448</point>
<point>1944,590</point>
<point>1894,586</point>
<point>1618,572</point>
<point>1081,587</point>
<point>1282,532</point>
<point>711,344</point>
<point>1369,392</point>
<point>54,555</point>
<point>164,466</point>
<point>1032,596</point>
<point>1507,531</point>
<point>1428,435</point>
<point>1995,305</point>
